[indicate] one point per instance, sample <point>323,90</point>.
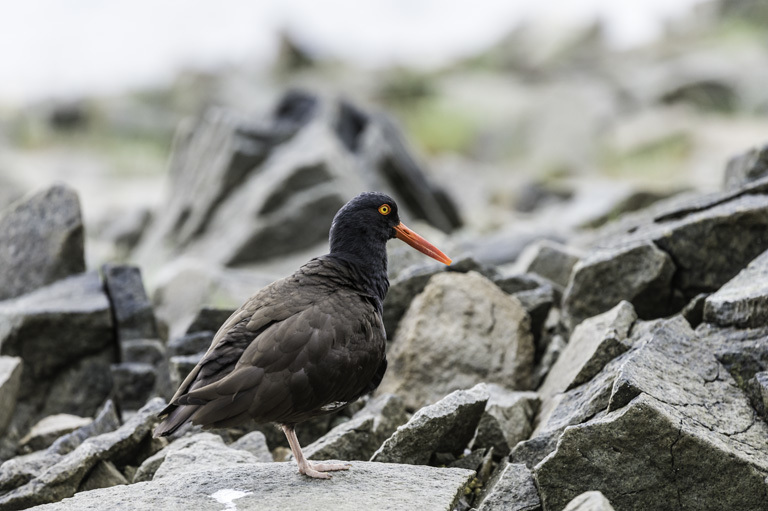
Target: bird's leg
<point>307,468</point>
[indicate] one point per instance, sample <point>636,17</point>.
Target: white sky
<point>60,48</point>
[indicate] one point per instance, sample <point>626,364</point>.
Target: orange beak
<point>420,244</point>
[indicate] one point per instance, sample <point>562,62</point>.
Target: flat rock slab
<point>278,486</point>
<point>10,380</point>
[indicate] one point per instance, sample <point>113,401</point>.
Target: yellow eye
<point>384,209</point>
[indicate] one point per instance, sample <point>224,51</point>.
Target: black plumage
<point>307,344</point>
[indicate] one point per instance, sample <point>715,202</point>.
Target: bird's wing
<point>286,362</point>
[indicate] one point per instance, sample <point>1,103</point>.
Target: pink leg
<point>307,468</point>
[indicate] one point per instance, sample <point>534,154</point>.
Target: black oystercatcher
<point>305,345</point>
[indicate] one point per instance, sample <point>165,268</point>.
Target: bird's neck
<point>368,262</point>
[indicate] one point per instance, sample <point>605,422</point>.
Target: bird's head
<point>372,218</point>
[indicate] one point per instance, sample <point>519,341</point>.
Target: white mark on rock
<point>227,497</point>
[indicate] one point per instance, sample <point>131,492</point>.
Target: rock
<point>511,488</point>
<point>63,478</point>
<point>41,241</point>
<point>537,303</point>
<point>180,367</point>
<point>589,501</point>
<point>693,312</point>
<point>639,273</point>
<point>10,381</point>
<point>103,475</point>
<point>82,387</point>
<point>761,388</point>
<point>47,430</point>
<point>408,282</point>
<point>190,344</point>
<point>131,307</point>
<point>18,471</point>
<point>594,342</point>
<point>278,486</point>
<point>134,384</point>
<point>200,332</point>
<point>363,434</point>
<point>475,333</point>
<point>743,300</point>
<point>507,420</point>
<point>73,313</point>
<point>255,443</point>
<point>209,319</point>
<point>201,450</point>
<point>747,167</point>
<point>282,176</point>
<point>143,351</point>
<point>549,259</point>
<point>659,439</point>
<point>444,427</point>
<point>693,232</point>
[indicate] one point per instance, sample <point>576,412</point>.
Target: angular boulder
<point>474,333</point>
<point>41,241</point>
<point>640,273</point>
<point>743,300</point>
<point>131,307</point>
<point>507,420</point>
<point>444,427</point>
<point>677,433</point>
<point>511,488</point>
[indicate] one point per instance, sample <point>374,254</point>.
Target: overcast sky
<point>61,48</point>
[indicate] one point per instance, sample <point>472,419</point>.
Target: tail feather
<point>175,417</point>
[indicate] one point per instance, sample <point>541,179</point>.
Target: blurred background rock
<point>531,119</point>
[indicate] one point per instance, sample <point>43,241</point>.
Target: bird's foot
<point>319,470</point>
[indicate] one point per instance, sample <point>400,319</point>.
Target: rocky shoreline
<point>625,367</point>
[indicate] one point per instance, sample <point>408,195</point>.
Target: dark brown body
<point>302,346</point>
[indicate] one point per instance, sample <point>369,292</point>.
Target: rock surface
<point>507,420</point>
<point>444,427</point>
<point>131,307</point>
<point>63,478</point>
<point>278,486</point>
<point>475,333</point>
<point>639,273</point>
<point>743,300</point>
<point>10,381</point>
<point>363,434</point>
<point>511,488</point>
<point>549,259</point>
<point>41,241</point>
<point>589,501</point>
<point>47,430</point>
<point>660,440</point>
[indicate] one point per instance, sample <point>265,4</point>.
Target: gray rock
<point>278,486</point>
<point>589,501</point>
<point>747,167</point>
<point>285,180</point>
<point>143,351</point>
<point>10,381</point>
<point>209,319</point>
<point>22,469</point>
<point>538,303</point>
<point>103,475</point>
<point>638,273</point>
<point>511,488</point>
<point>180,367</point>
<point>131,307</point>
<point>41,241</point>
<point>63,478</point>
<point>693,312</point>
<point>190,344</point>
<point>444,427</point>
<point>594,342</point>
<point>47,430</point>
<point>198,450</point>
<point>507,420</point>
<point>73,312</point>
<point>693,231</point>
<point>549,259</point>
<point>760,383</point>
<point>255,443</point>
<point>134,384</point>
<point>363,434</point>
<point>82,387</point>
<point>475,333</point>
<point>660,445</point>
<point>743,300</point>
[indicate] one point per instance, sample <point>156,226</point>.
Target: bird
<point>305,345</point>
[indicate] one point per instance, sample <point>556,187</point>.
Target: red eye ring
<point>385,209</point>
